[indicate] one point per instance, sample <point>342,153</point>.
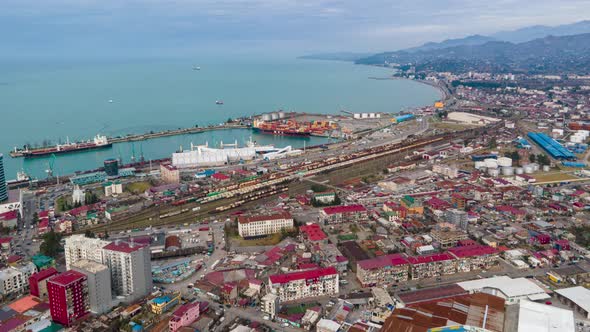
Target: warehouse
<point>550,145</point>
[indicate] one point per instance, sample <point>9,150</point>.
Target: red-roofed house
<point>185,315</point>
<point>313,232</point>
<point>38,282</point>
<point>343,213</point>
<point>220,177</point>
<point>5,243</point>
<point>430,266</point>
<point>383,270</point>
<point>9,219</point>
<point>474,257</point>
<point>304,284</point>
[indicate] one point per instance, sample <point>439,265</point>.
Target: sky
<point>160,28</point>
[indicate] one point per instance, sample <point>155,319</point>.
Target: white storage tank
<point>491,163</point>
<point>528,169</point>
<point>266,117</point>
<point>519,170</point>
<point>504,162</point>
<point>479,164</point>
<point>274,115</point>
<point>535,167</point>
<point>282,114</point>
<point>493,172</point>
<point>546,168</point>
<point>508,171</point>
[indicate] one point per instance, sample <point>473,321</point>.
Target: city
<point>469,213</point>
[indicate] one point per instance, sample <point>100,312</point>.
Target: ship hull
<point>282,132</point>
<point>50,151</point>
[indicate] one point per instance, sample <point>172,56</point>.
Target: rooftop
<point>579,295</point>
<point>249,219</point>
<point>510,287</point>
<point>90,266</point>
<point>539,317</point>
<point>44,274</point>
<point>310,274</point>
<point>383,261</point>
<point>67,278</point>
<point>124,246</point>
<point>344,209</point>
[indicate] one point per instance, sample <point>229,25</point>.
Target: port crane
<point>51,165</point>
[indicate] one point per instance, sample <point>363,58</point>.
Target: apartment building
<point>38,282</point>
<point>343,213</point>
<point>68,297</point>
<point>185,315</point>
<point>448,239</point>
<point>382,271</point>
<point>252,226</point>
<point>270,304</point>
<point>131,269</point>
<point>457,217</point>
<point>79,247</point>
<point>99,284</point>
<point>15,279</point>
<point>431,266</point>
<point>474,257</point>
<point>304,284</point>
<point>169,173</point>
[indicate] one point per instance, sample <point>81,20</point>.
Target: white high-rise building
<point>131,269</point>
<point>79,247</point>
<point>78,195</point>
<point>99,284</point>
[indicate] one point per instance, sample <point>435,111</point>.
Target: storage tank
<point>504,162</point>
<point>519,170</point>
<point>479,164</point>
<point>536,167</point>
<point>508,171</point>
<point>546,168</point>
<point>491,163</point>
<point>266,117</point>
<point>493,172</point>
<point>274,116</point>
<point>281,114</point>
<point>528,169</point>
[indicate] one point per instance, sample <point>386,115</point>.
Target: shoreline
<point>443,91</point>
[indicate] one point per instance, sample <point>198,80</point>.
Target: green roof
<point>42,261</point>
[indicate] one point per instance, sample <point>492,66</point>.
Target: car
<point>285,325</point>
<point>548,302</point>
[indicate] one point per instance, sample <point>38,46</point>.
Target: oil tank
<point>508,171</point>
<point>528,169</point>
<point>519,170</point>
<point>491,163</point>
<point>504,162</point>
<point>266,117</point>
<point>274,116</point>
<point>546,168</point>
<point>493,172</point>
<point>282,114</point>
<point>535,167</point>
<point>479,164</point>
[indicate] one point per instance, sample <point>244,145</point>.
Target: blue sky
<point>82,28</point>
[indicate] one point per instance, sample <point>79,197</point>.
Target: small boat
<point>219,102</point>
<point>196,68</point>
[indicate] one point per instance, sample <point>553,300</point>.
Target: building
<point>448,239</point>
<point>538,317</point>
<point>578,298</point>
<point>304,284</point>
<point>169,174</point>
<point>382,271</point>
<point>185,315</point>
<point>3,187</point>
<point>252,226</point>
<point>435,265</point>
<point>79,247</point>
<point>512,290</point>
<point>343,213</point>
<point>111,167</point>
<point>446,170</point>
<point>328,197</point>
<point>15,279</point>
<point>131,268</point>
<point>457,217</point>
<point>68,297</point>
<point>162,304</point>
<point>38,282</point>
<point>270,304</point>
<point>113,188</point>
<point>474,257</point>
<point>78,195</point>
<point>99,284</point>
<point>411,205</point>
<point>326,325</point>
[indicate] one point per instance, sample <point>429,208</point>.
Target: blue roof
<point>550,145</point>
<point>162,299</point>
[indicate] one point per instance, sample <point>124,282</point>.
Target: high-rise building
<point>79,247</point>
<point>99,284</point>
<point>68,297</point>
<point>111,167</point>
<point>3,189</point>
<point>131,269</point>
<point>38,282</point>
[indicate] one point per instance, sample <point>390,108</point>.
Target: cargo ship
<point>288,128</point>
<point>99,142</point>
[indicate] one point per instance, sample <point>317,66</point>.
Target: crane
<point>51,165</point>
<point>132,152</point>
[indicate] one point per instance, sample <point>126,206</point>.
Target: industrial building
<point>553,148</point>
<point>539,317</point>
<point>512,290</point>
<point>578,298</point>
<point>205,156</point>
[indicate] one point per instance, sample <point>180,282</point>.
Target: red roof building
<point>38,282</point>
<point>344,213</point>
<point>305,284</point>
<point>313,232</point>
<point>68,297</point>
<point>220,177</point>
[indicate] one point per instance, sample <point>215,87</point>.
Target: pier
<point>175,132</point>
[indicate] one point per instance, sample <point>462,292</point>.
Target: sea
<point>53,101</point>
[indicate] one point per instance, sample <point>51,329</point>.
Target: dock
<point>175,132</point>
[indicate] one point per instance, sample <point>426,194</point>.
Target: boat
<point>99,142</point>
<point>196,68</point>
<point>282,128</point>
<point>219,102</point>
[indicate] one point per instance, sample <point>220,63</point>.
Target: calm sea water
<point>52,101</point>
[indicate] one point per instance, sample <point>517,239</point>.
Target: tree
<point>35,218</point>
<point>90,198</point>
<point>532,158</point>
<point>89,234</point>
<point>50,245</point>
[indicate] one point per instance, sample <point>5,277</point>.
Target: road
<point>25,246</point>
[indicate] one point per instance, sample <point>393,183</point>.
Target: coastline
<point>444,93</point>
